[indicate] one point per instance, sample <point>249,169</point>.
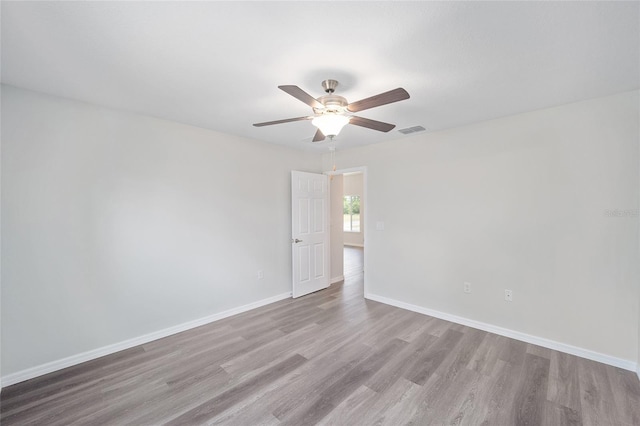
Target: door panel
<point>319,260</point>
<point>310,235</point>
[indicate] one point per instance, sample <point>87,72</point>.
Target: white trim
<point>337,279</point>
<point>540,341</point>
<point>359,169</point>
<point>49,367</point>
<point>353,245</point>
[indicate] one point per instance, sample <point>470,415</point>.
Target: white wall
<point>0,238</point>
<point>515,203</point>
<point>337,250</point>
<point>354,185</point>
<point>116,225</point>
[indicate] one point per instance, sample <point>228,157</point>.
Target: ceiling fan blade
<point>300,94</point>
<point>286,120</point>
<point>391,96</point>
<point>318,136</point>
<point>371,124</point>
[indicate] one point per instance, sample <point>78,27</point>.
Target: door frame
<point>363,170</point>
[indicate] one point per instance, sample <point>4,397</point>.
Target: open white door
<point>309,232</point>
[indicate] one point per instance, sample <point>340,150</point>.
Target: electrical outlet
<point>467,287</point>
<point>260,274</point>
<point>508,295</point>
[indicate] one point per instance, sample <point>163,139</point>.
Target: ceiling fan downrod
<point>329,86</point>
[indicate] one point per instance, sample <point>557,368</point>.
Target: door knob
<point>296,240</point>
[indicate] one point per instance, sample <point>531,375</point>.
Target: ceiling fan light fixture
<point>332,112</point>
<point>330,124</point>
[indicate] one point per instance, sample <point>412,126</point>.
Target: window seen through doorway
<point>351,213</point>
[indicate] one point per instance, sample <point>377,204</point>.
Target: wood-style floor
<point>330,358</point>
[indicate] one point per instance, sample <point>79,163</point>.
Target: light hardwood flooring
<point>353,263</point>
<point>330,358</point>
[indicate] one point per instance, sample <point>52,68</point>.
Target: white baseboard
<point>337,279</point>
<point>49,367</point>
<point>540,341</point>
<point>354,245</point>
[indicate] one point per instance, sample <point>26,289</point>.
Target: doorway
<point>348,228</point>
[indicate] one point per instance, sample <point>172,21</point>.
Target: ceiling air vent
<point>413,129</point>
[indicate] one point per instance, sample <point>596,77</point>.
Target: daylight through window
<point>351,212</point>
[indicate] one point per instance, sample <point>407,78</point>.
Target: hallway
<point>353,261</point>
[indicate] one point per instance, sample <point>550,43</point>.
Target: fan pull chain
<point>333,158</point>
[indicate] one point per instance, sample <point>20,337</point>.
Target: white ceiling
<point>218,64</point>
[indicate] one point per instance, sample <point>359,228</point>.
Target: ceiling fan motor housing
<point>332,103</point>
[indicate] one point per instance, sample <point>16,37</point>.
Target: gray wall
<point>515,203</point>
<point>117,225</point>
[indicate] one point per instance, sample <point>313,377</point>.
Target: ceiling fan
<point>332,112</point>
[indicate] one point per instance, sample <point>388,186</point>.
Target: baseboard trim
<point>337,279</point>
<point>540,341</point>
<point>354,245</point>
<point>50,367</point>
